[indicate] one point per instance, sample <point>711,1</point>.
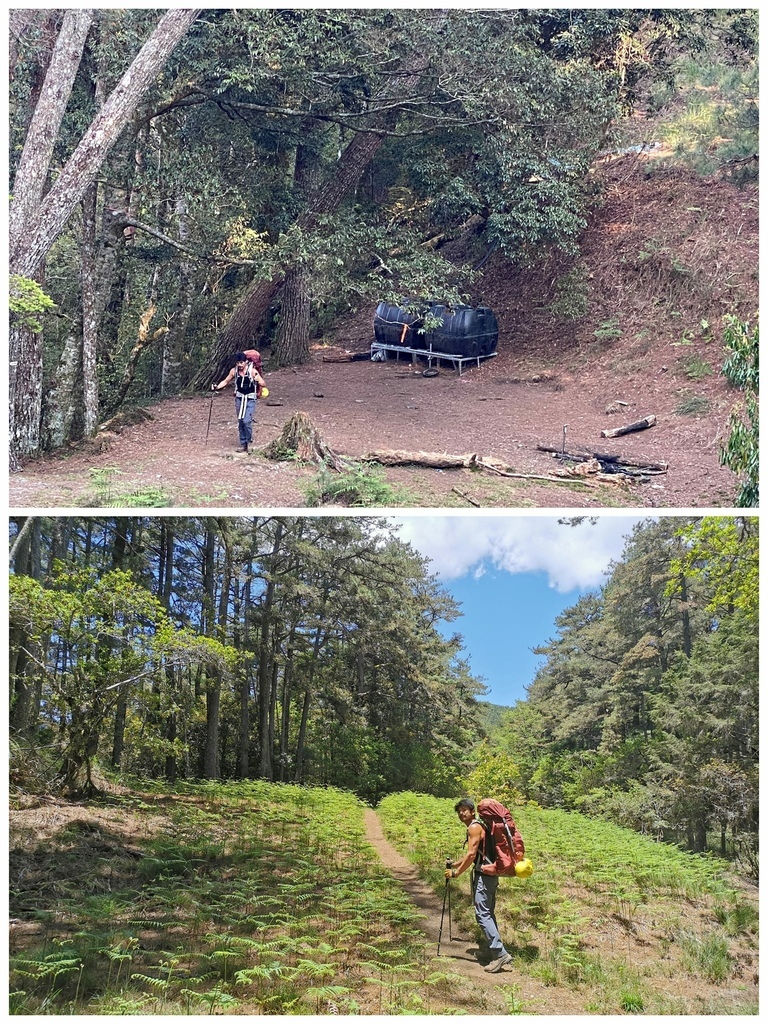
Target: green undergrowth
<point>607,912</point>
<point>248,898</point>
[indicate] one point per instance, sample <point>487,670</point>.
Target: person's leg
<point>250,408</point>
<point>242,429</point>
<point>485,901</point>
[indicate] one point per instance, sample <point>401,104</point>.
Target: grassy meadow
<point>632,925</point>
<point>258,898</point>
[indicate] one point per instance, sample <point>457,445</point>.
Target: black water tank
<point>392,325</point>
<point>466,331</point>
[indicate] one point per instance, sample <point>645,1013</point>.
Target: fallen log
<point>440,460</point>
<point>643,424</point>
<point>432,460</point>
<point>612,459</point>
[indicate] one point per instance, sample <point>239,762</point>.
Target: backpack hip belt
<point>243,403</point>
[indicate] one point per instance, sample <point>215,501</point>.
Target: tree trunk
<point>265,658</point>
<point>244,722</point>
<point>25,559</point>
<point>25,358</point>
<point>37,222</point>
<point>36,227</point>
<point>60,406</point>
<point>32,172</point>
<point>291,345</point>
<point>88,288</point>
<point>208,623</point>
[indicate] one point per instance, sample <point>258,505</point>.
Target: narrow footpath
<point>431,906</point>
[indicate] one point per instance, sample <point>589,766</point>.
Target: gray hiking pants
<point>484,895</point>
<point>245,406</point>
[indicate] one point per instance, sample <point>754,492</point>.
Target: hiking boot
<point>243,448</point>
<point>496,965</point>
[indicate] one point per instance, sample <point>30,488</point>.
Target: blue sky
<point>513,575</point>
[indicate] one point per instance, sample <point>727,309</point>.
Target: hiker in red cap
<point>248,381</point>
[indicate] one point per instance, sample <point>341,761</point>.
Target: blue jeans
<point>244,424</point>
<point>484,894</point>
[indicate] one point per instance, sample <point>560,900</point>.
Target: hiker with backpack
<point>494,847</point>
<point>249,385</point>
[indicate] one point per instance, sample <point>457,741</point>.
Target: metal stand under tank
<point>429,354</point>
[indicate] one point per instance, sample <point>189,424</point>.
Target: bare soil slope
<point>665,257</point>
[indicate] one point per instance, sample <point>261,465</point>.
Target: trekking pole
<point>446,896</point>
<point>210,410</point>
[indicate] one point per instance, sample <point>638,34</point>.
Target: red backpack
<point>253,357</point>
<point>503,843</point>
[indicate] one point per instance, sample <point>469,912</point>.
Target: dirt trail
<point>461,950</point>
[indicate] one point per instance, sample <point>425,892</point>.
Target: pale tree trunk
<point>88,287</point>
<point>42,226</point>
<point>32,172</point>
<point>60,405</point>
<point>36,222</point>
<point>173,343</point>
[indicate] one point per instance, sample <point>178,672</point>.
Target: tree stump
<point>301,441</point>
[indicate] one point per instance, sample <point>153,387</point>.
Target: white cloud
<point>573,557</point>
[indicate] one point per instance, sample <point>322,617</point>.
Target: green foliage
<point>360,486</point>
<point>589,874</point>
<point>645,711</point>
<point>28,302</point>
<point>249,897</point>
<point>707,956</point>
<point>368,693</point>
<point>741,452</point>
<point>105,495</point>
<point>495,775</point>
<point>608,330</point>
<point>692,404</point>
<point>697,368</point>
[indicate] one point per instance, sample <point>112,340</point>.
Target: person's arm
<point>475,834</point>
<point>255,375</point>
<point>223,383</point>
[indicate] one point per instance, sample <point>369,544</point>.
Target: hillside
<point>254,898</point>
<point>665,257</point>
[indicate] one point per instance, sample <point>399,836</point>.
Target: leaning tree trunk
<point>246,319</point>
<point>32,172</point>
<point>88,290</point>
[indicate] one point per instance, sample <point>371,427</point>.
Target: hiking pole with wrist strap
<point>446,896</point>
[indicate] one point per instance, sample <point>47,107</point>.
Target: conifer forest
<point>194,700</point>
